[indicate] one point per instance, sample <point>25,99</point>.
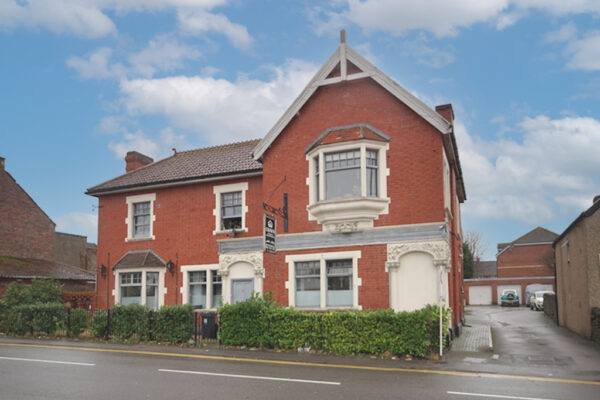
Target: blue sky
<point>83,82</point>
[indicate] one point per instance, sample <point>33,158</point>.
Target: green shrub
<point>173,324</point>
<point>99,324</point>
<point>129,322</point>
<point>36,318</point>
<point>45,291</point>
<point>79,319</point>
<point>258,322</point>
<point>17,294</point>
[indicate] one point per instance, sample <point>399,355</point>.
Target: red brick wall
<point>25,230</point>
<point>373,293</point>
<point>183,230</point>
<point>415,185</point>
<point>524,261</point>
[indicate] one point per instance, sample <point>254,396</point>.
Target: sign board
<point>269,233</point>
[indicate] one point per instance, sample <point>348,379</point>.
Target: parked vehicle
<point>537,300</point>
<point>509,298</point>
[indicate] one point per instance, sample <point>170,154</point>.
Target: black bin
<point>209,325</point>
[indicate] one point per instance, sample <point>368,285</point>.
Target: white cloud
<point>194,22</point>
<point>162,53</point>
<point>78,223</point>
<point>426,55</point>
<point>441,17</point>
<point>80,18</point>
<point>551,170</point>
<point>566,33</point>
<point>156,148</point>
<point>220,110</point>
<point>584,53</point>
<point>89,18</point>
<point>97,65</point>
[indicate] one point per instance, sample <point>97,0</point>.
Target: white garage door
<point>501,288</point>
<point>480,295</point>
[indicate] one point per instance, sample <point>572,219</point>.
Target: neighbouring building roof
<point>485,269</point>
<point>537,236</point>
<point>587,213</point>
<point>139,259</point>
<point>186,166</point>
<point>348,133</point>
<point>27,268</point>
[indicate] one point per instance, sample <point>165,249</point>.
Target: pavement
<point>474,338</point>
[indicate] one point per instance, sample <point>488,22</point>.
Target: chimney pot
<point>135,160</point>
<point>2,163</point>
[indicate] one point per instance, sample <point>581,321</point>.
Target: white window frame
<point>323,258</point>
<point>319,153</point>
<point>162,289</point>
<point>129,221</point>
<point>211,270</point>
<point>221,189</point>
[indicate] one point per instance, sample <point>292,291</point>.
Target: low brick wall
<point>550,306</point>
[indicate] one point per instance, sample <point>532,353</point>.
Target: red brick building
<point>523,265</point>
<point>27,241</point>
<point>364,181</point>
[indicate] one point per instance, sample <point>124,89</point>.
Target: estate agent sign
<point>269,229</point>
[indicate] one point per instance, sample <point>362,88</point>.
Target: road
<point>35,369</point>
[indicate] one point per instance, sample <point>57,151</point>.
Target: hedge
<point>260,323</point>
<point>36,318</point>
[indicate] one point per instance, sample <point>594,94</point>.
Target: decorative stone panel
<point>438,249</point>
<point>253,258</point>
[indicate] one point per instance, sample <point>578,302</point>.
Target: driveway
<point>528,342</point>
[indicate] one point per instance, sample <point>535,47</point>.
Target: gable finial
<point>342,36</point>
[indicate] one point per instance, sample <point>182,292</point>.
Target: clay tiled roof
<point>229,159</point>
<point>139,259</point>
<point>26,268</point>
<point>348,133</point>
<point>538,235</point>
<point>485,269</point>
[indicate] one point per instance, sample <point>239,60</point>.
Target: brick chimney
<point>135,160</point>
<point>446,111</point>
<point>2,163</point>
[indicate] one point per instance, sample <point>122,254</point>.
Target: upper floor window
<point>347,179</point>
<point>140,217</point>
<point>230,207</point>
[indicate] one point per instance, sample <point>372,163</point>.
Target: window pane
<point>339,283</point>
<point>231,210</point>
<point>198,295</point>
<point>197,276</point>
<point>316,162</point>
<point>152,278</point>
<point>372,182</point>
<point>217,290</point>
<point>342,184</point>
<point>308,284</point>
<point>131,295</point>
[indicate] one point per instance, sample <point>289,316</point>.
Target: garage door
<point>480,295</point>
<point>501,288</point>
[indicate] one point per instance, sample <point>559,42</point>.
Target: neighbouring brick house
<point>367,175</point>
<point>28,239</point>
<point>577,253</point>
<point>524,265</point>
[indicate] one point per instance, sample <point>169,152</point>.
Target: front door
<point>241,289</point>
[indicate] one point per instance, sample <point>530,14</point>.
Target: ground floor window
<point>324,280</point>
<point>202,286</point>
<point>140,287</point>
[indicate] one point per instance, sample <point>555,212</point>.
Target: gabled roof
<point>538,235</point>
<point>185,167</point>
<point>485,269</point>
<point>361,68</point>
<point>348,133</point>
<point>13,181</point>
<point>28,268</point>
<point>139,259</point>
<point>586,214</point>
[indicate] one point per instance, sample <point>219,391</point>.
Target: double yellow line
<point>312,364</point>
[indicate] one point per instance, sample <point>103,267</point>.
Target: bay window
<point>141,287</point>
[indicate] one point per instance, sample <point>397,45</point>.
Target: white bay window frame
<point>211,270</point>
<point>322,258</point>
<point>162,290</point>
<point>349,214</point>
